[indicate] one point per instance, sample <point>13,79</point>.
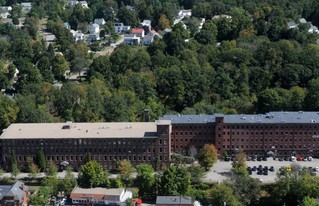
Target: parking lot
<point>221,169</point>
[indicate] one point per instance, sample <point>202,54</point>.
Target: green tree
<point>126,171</point>
<point>60,65</point>
<point>40,197</point>
<point>307,201</point>
<point>68,183</point>
<point>240,160</point>
<point>91,175</point>
<point>14,165</point>
<point>41,161</point>
<point>51,170</point>
<point>268,100</point>
<point>33,170</point>
<point>207,156</point>
<point>145,181</point>
<point>312,96</point>
<point>8,111</point>
<point>222,194</point>
<point>174,181</point>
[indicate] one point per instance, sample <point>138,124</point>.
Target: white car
<point>316,169</point>
<point>309,159</point>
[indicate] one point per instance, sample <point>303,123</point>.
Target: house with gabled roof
<point>15,194</point>
<point>26,6</point>
<point>100,22</point>
<point>138,32</point>
<point>94,28</point>
<point>84,4</point>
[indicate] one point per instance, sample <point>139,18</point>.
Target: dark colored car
<point>272,169</point>
<point>258,158</point>
<point>280,159</point>
<point>264,158</point>
<point>260,172</point>
<point>265,168</point>
<point>286,158</point>
<point>265,172</point>
<point>254,168</point>
<point>227,159</point>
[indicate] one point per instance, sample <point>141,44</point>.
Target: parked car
<point>265,172</point>
<point>227,159</point>
<point>254,168</point>
<point>280,159</point>
<point>259,158</point>
<point>309,158</point>
<point>286,158</point>
<point>272,169</point>
<point>264,158</point>
<point>265,168</point>
<point>316,169</point>
<point>260,172</point>
<point>299,158</point>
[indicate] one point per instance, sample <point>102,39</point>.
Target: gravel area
<point>221,169</point>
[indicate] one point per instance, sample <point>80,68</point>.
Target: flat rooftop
<point>82,130</point>
<point>268,118</point>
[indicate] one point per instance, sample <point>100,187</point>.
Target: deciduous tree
<point>91,175</point>
<point>207,156</point>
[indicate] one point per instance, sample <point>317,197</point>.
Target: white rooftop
<point>98,190</point>
<point>82,130</point>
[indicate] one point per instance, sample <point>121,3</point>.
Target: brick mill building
<point>283,133</point>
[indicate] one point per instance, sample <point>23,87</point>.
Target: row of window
<point>192,140</point>
<point>269,146</point>
<point>271,133</point>
<point>249,139</point>
<point>110,158</point>
<point>270,126</point>
<point>103,141</point>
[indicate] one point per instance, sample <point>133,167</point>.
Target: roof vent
<point>66,127</point>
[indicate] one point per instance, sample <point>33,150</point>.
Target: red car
<point>300,158</point>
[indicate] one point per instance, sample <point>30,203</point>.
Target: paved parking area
<point>219,171</point>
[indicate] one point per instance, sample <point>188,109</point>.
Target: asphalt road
<point>219,171</point>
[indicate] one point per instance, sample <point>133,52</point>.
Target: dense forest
<point>249,63</point>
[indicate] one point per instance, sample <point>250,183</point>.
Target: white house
<point>26,6</point>
<point>72,3</point>
<point>94,28</point>
<point>100,22</point>
<point>132,39</point>
<point>121,28</point>
<point>146,24</point>
<point>302,21</point>
<point>4,15</point>
<point>100,195</point>
<point>292,25</point>
<point>313,29</point>
<point>183,13</point>
<point>77,35</point>
<point>84,4</point>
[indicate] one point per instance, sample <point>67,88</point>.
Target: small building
<point>66,25</point>
<point>99,22</point>
<point>84,4</point>
<point>121,28</point>
<point>292,25</point>
<point>146,25</point>
<point>94,28</point>
<point>14,194</point>
<point>221,16</point>
<point>174,201</point>
<point>26,6</point>
<point>94,37</point>
<point>132,39</point>
<point>138,32</point>
<point>77,35</point>
<point>302,21</point>
<point>4,15</point>
<point>313,29</point>
<point>49,38</point>
<point>183,13</point>
<point>72,3</point>
<point>100,196</point>
<point>148,39</point>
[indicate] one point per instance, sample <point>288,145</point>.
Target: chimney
<point>146,115</point>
